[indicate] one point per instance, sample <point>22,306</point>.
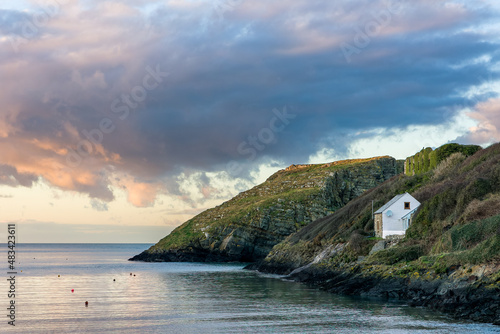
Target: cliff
<point>449,259</point>
<point>246,227</point>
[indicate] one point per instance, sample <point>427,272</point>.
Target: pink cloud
<point>487,114</point>
<point>140,194</point>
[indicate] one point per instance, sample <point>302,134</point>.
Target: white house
<point>395,216</point>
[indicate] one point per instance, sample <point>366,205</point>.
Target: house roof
<point>408,215</point>
<point>390,203</point>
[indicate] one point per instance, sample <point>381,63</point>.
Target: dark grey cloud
<point>227,76</point>
<point>11,177</point>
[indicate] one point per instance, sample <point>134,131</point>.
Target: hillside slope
<point>449,259</point>
<point>246,227</point>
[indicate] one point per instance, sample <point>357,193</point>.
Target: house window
<point>407,205</point>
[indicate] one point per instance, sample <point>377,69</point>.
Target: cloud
<point>98,205</point>
<point>10,176</point>
<point>90,63</point>
<point>140,194</point>
<point>487,130</point>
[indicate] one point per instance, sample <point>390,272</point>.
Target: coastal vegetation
<point>428,159</point>
<point>459,219</point>
<point>453,244</point>
<point>246,227</point>
<point>314,223</point>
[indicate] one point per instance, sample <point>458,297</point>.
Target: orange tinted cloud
<point>33,158</point>
<point>140,194</point>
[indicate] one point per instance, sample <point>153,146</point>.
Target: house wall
<point>394,225</point>
<point>378,225</point>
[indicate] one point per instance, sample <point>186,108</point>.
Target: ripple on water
<point>192,298</point>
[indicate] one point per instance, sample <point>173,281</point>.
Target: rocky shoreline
<point>182,255</point>
<point>466,297</point>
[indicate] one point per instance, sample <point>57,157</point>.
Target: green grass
<point>283,191</point>
<point>396,254</point>
<point>468,235</point>
<point>179,237</point>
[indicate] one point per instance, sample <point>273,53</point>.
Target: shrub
<point>467,236</point>
<point>474,190</point>
<point>317,239</point>
<point>488,250</point>
<point>446,150</point>
<point>477,159</point>
<point>397,254</point>
<point>433,162</point>
<point>446,166</point>
<point>427,159</point>
<point>436,209</point>
<point>356,242</point>
<point>408,166</point>
<point>430,190</point>
<point>484,252</point>
<point>481,209</point>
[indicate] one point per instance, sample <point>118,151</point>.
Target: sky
<point>120,120</point>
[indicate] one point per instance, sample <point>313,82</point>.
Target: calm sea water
<point>187,298</point>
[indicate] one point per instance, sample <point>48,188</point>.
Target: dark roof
<point>391,202</point>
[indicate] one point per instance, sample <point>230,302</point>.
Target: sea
<point>55,281</point>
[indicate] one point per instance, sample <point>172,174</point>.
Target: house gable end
<point>402,207</point>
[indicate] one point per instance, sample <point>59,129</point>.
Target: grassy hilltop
<point>246,227</point>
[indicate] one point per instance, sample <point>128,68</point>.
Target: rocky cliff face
<point>249,225</point>
<point>448,260</point>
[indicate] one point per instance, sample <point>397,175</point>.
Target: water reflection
<point>197,298</point>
